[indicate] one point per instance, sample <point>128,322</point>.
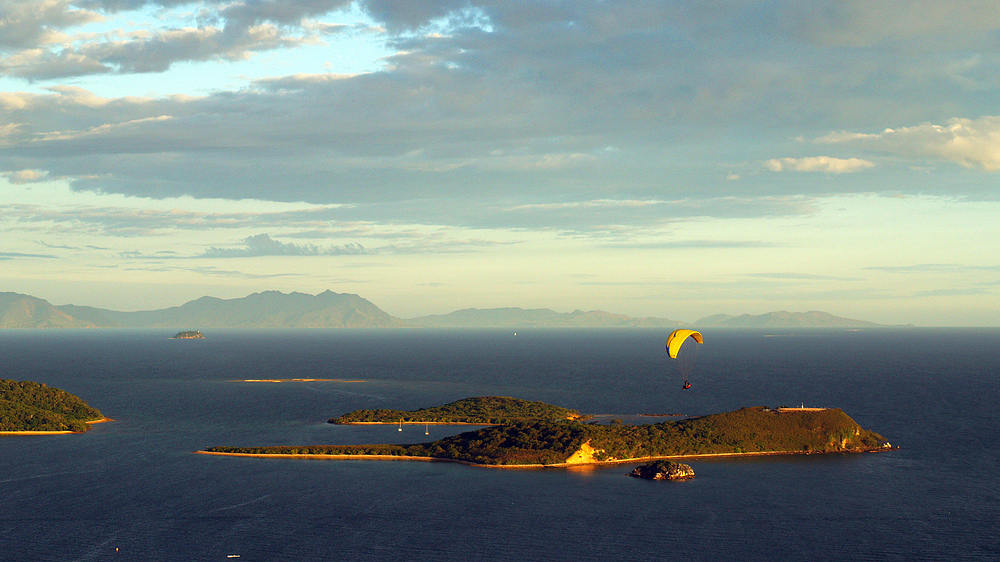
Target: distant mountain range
<point>783,319</point>
<point>273,309</point>
<point>537,317</point>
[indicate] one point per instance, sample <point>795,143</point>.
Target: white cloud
<point>25,176</point>
<point>30,30</point>
<point>31,22</point>
<point>825,164</point>
<point>973,143</point>
<point>263,245</point>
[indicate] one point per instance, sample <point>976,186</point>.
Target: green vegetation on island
<point>31,406</point>
<point>756,430</point>
<point>189,335</point>
<point>484,410</point>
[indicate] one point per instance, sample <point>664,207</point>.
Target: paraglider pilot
<point>674,341</point>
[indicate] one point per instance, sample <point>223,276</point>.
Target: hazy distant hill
<point>270,309</point>
<point>24,311</point>
<point>89,314</point>
<point>535,317</point>
<point>273,309</point>
<point>783,319</point>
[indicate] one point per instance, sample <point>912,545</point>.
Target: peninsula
<point>33,408</point>
<point>566,442</point>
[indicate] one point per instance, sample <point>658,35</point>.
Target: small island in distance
<point>485,410</point>
<point>556,438</point>
<point>34,408</point>
<point>189,335</point>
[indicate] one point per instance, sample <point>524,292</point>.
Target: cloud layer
<point>488,99</point>
<point>263,245</point>
<point>364,130</point>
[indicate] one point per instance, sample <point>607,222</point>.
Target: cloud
<point>30,29</point>
<point>17,255</point>
<point>825,164</point>
<point>263,245</point>
<point>869,24</point>
<point>145,52</point>
<point>801,277</point>
<point>695,244</point>
<point>973,143</point>
<point>27,23</point>
<point>249,13</point>
<point>484,104</point>
<point>953,292</point>
<point>147,219</point>
<point>25,176</point>
<point>949,268</point>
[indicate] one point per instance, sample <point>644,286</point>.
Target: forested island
<point>561,442</point>
<point>189,335</point>
<point>483,410</point>
<point>27,406</point>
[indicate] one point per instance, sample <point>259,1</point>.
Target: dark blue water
<point>133,490</point>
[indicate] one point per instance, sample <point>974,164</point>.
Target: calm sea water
<point>132,489</point>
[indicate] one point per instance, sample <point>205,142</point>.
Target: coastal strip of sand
<point>580,459</point>
<point>35,432</point>
<point>102,420</point>
<point>415,423</point>
<point>327,457</point>
<point>295,380</point>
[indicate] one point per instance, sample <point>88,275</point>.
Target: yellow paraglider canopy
<point>677,337</point>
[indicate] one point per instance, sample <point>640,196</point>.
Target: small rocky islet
<point>663,470</point>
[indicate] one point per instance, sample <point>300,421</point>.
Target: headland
<point>531,443</point>
<point>31,408</point>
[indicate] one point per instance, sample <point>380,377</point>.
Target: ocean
<point>132,489</point>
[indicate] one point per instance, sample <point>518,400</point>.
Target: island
<point>663,470</point>
<point>482,410</point>
<point>566,442</point>
<point>33,408</point>
<point>189,335</point>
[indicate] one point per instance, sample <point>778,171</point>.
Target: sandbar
<point>294,380</point>
<point>397,422</point>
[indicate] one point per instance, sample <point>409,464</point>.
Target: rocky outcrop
<point>663,470</point>
<point>190,335</point>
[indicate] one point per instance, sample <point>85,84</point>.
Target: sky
<point>675,159</point>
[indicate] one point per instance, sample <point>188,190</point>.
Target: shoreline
<point>412,423</point>
<point>296,380</point>
<point>42,432</point>
<point>535,466</point>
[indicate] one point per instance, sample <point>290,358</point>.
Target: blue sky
<point>671,159</point>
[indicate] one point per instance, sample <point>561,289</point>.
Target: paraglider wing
<point>678,337</point>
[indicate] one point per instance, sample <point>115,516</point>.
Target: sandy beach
<point>583,457</point>
<point>102,420</point>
